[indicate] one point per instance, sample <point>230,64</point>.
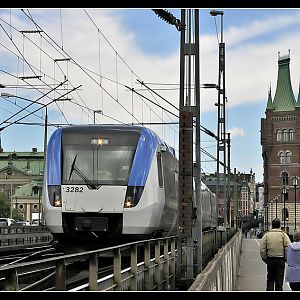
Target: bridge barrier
<point>14,236</point>
<point>221,272</point>
<point>156,272</point>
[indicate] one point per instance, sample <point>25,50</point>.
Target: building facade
<point>21,179</point>
<point>241,195</point>
<point>280,140</point>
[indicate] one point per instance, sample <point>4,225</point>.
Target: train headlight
<point>100,141</point>
<point>133,195</point>
<point>128,202</point>
<point>54,195</point>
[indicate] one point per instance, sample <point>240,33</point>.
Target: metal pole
<point>283,210</point>
<point>198,147</point>
<point>228,180</point>
<point>235,206</point>
<point>276,198</point>
<point>45,158</point>
<point>11,207</point>
<point>295,205</point>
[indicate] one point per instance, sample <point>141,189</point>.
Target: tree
<point>4,206</point>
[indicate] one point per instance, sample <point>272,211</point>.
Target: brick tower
<point>280,140</point>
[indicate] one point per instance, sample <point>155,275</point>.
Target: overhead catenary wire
<point>44,105</point>
<point>152,111</point>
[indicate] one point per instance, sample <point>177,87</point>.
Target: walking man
<point>273,247</point>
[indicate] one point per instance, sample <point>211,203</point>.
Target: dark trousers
<point>295,286</point>
<point>275,268</point>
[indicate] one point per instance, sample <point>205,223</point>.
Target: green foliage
<point>5,209</point>
<point>4,206</point>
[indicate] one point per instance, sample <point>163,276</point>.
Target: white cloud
<point>235,132</point>
<point>251,63</point>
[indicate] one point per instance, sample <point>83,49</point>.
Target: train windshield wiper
<point>72,167</point>
<point>78,172</point>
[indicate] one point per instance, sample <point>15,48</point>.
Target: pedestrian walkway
<point>253,271</point>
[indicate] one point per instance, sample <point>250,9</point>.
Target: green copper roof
<point>29,163</point>
<point>25,191</point>
<point>284,99</point>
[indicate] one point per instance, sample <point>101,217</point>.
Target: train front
<point>89,184</point>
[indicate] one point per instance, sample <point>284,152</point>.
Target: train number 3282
<point>73,189</point>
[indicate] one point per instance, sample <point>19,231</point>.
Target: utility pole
<point>235,203</point>
<point>228,180</point>
<point>221,132</point>
<point>189,210</point>
<point>189,205</point>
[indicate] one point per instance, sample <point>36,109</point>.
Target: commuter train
<point>113,183</point>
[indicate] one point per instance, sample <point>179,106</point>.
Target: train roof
<point>204,187</point>
<point>122,127</point>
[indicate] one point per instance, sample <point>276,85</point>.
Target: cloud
<point>235,132</point>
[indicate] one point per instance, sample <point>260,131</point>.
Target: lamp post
<point>295,183</point>
<point>267,216</point>
<point>221,131</point>
<point>271,209</point>
<point>284,191</point>
<point>276,199</point>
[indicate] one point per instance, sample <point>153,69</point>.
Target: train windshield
<point>103,159</point>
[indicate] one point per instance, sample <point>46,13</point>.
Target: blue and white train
<point>112,183</point>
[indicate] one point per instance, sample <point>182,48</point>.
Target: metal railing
<point>155,272</point>
<point>221,273</point>
<point>23,235</point>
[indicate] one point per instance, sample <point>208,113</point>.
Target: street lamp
<point>276,199</point>
<point>284,192</point>
<point>221,131</point>
<point>295,183</point>
<point>271,209</point>
<point>97,111</point>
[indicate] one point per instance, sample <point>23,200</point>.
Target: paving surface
<point>253,271</point>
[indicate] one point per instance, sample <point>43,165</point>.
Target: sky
<point>111,51</point>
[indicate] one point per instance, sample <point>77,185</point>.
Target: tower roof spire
<point>298,101</point>
<point>269,103</point>
<point>284,99</point>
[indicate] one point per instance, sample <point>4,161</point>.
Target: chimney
<point>34,150</point>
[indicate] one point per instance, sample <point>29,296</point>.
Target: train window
<point>159,170</point>
<point>96,165</point>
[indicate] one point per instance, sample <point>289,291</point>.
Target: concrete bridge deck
<point>253,271</point>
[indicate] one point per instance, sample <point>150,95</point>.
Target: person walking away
<point>273,248</point>
<point>292,274</point>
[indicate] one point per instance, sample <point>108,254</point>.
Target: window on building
<point>278,135</point>
<point>291,134</point>
<point>285,136</point>
<point>281,157</point>
<point>288,157</point>
<point>285,178</point>
<point>35,190</point>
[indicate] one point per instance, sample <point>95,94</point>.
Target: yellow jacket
<point>274,243</point>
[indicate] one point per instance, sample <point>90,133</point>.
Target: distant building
<point>246,194</point>
<point>280,139</point>
<point>21,178</point>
